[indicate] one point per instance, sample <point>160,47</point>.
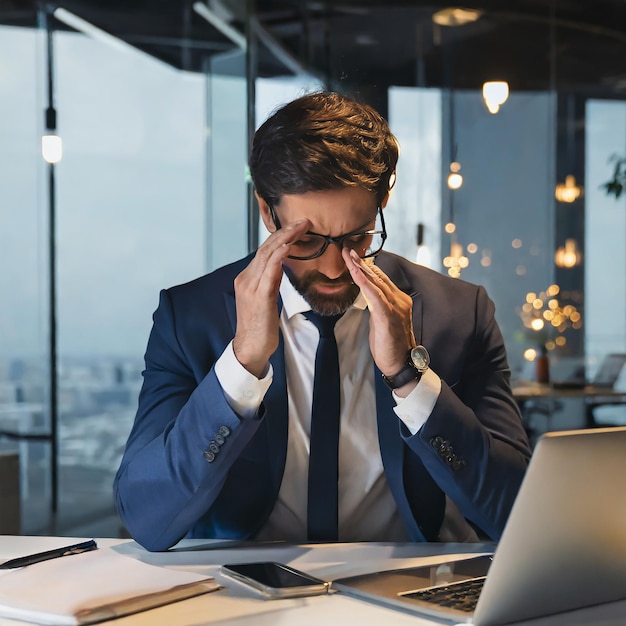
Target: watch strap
<point>408,373</point>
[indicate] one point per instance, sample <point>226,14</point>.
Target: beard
<point>322,303</point>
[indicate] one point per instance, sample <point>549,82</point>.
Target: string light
<point>568,256</point>
<point>543,311</point>
<point>456,261</point>
<point>455,16</point>
<point>569,191</point>
<point>455,180</point>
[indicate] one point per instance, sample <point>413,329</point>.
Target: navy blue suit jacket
<point>193,468</point>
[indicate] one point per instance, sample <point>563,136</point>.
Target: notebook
<point>563,547</point>
<point>606,376</point>
<point>93,587</point>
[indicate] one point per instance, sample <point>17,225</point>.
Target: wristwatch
<point>417,362</point>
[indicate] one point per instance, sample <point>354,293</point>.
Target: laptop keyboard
<point>461,596</point>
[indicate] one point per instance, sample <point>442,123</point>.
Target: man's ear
<point>383,202</point>
<point>264,212</point>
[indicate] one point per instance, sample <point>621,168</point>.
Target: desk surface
<point>236,606</point>
<point>528,390</point>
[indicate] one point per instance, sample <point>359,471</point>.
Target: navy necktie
<point>322,507</point>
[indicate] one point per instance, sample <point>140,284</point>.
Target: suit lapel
<point>277,416</point>
<point>417,317</point>
<point>231,310</point>
<point>391,444</point>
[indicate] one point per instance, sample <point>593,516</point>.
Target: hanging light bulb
<point>423,256</point>
<point>51,148</point>
<point>568,191</point>
<point>51,143</point>
<point>495,94</point>
<point>455,180</point>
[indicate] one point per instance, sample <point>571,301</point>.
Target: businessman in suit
<point>428,442</point>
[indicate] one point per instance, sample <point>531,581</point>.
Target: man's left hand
<point>391,324</point>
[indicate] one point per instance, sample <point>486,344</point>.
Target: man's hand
<point>256,295</point>
<point>391,325</point>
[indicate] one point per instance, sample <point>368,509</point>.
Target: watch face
<point>420,358</point>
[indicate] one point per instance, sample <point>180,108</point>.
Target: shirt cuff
<point>416,408</point>
<point>244,392</point>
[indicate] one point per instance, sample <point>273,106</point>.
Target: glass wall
<point>130,222</point>
<point>413,213</point>
<point>130,212</point>
<point>605,226</point>
<point>605,252</point>
<point>23,270</point>
<point>227,148</point>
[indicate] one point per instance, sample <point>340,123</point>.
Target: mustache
<point>316,278</point>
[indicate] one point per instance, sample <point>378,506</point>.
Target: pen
<point>30,559</point>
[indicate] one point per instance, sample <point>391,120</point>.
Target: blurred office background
<point>155,103</point>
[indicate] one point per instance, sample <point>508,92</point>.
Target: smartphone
<point>275,580</point>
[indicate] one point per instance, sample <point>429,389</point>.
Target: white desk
<point>236,606</point>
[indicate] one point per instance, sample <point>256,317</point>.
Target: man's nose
<point>331,263</point>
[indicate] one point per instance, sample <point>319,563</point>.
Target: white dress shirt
<point>367,510</point>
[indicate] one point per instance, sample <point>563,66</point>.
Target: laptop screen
<point>609,370</point>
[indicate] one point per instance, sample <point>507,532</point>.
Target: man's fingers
<point>383,277</point>
<point>377,275</point>
<point>257,286</point>
<point>381,293</point>
<point>368,277</point>
<point>281,237</point>
<point>369,284</point>
<point>265,270</point>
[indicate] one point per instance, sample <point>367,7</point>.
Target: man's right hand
<point>256,296</point>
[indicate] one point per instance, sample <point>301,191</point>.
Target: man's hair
<point>319,142</point>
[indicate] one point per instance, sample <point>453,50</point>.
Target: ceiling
<point>536,45</point>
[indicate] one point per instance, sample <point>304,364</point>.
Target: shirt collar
<point>294,303</point>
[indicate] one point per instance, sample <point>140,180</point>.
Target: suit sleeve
<point>473,443</point>
<point>182,444</point>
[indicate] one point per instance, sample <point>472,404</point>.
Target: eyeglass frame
<point>338,241</point>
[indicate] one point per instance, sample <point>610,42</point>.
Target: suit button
<point>224,431</point>
<point>458,464</point>
<point>209,456</point>
<point>213,447</point>
<point>436,442</point>
<point>219,440</point>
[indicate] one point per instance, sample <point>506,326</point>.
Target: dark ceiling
<point>535,45</point>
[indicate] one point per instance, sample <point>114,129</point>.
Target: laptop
<point>605,378</point>
<point>563,547</point>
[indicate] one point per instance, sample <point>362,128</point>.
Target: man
<point>221,440</point>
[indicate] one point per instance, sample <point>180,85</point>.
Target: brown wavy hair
<point>319,142</point>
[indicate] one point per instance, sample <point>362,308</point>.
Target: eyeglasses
<point>366,243</point>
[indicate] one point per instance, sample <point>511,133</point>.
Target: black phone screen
<point>273,574</point>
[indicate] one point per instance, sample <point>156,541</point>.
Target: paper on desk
<point>93,587</point>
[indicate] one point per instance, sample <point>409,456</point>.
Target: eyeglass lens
<point>364,244</point>
<point>311,245</point>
